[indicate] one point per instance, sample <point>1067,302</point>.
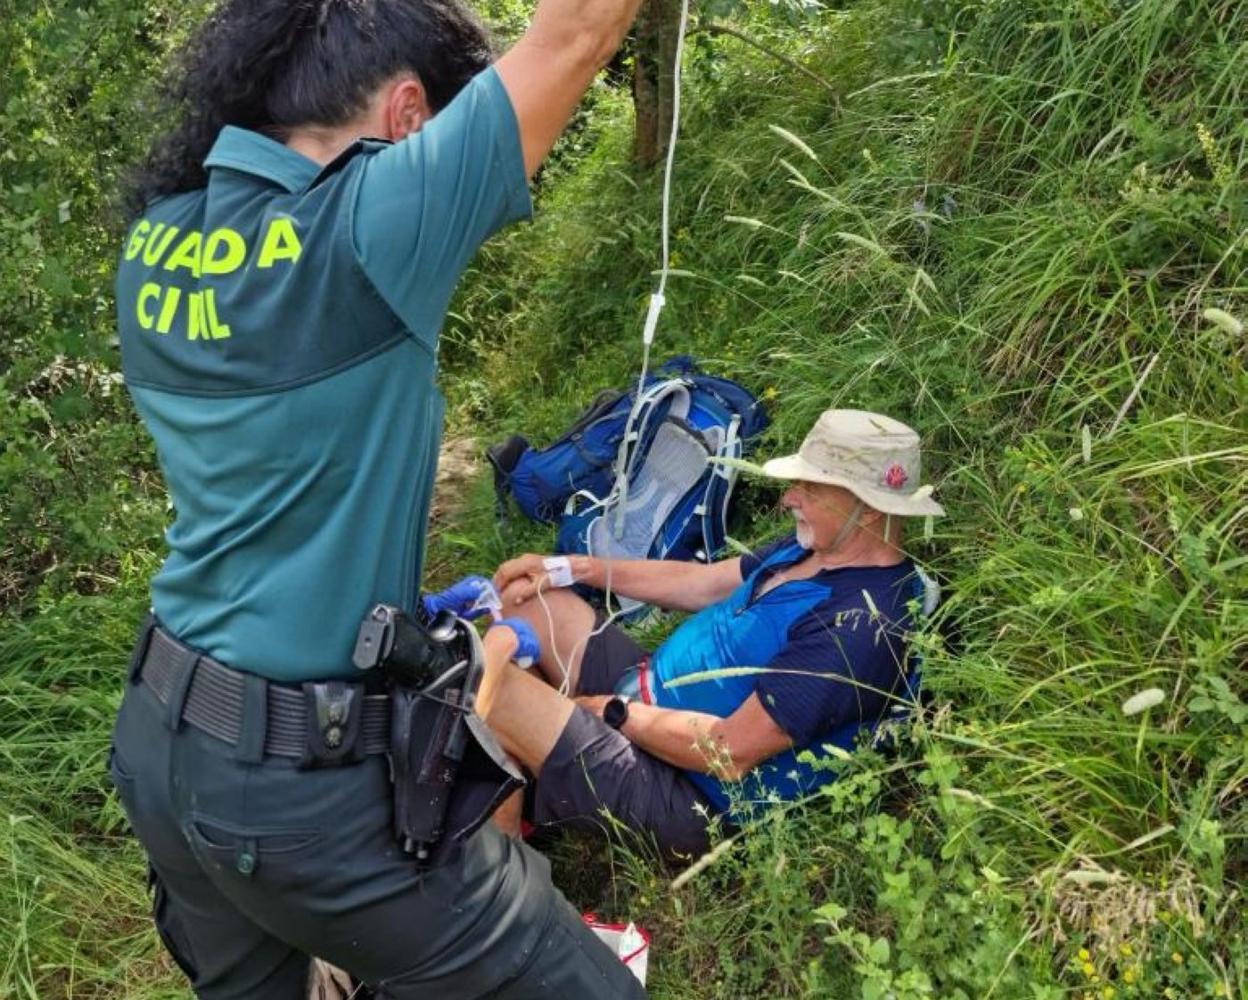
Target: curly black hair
<point>271,65</point>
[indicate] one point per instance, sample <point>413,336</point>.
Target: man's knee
<point>553,608</point>
<point>530,611</point>
<point>563,622</point>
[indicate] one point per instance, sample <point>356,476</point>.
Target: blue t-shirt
<point>833,657</point>
<point>279,333</point>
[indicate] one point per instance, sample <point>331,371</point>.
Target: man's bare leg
<point>507,816</point>
<point>563,627</point>
<point>525,714</point>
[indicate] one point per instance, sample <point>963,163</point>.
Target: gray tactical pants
<point>257,866</point>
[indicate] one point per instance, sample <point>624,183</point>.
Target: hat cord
<point>849,527</point>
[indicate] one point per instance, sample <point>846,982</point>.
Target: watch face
<point>615,712</point>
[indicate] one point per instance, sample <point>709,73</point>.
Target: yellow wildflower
<point>1128,976</point>
<point>1107,993</point>
<point>1221,170</point>
<point>1124,950</point>
<point>1084,955</point>
<point>1088,968</point>
<point>1176,957</point>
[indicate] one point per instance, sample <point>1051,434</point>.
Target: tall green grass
<point>1021,226</point>
<point>73,910</point>
<point>1010,229</point>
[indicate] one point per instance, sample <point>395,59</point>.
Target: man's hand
<point>518,580</point>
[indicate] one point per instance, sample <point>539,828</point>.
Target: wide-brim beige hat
<point>873,456</point>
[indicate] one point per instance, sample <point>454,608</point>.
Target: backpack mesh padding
<point>674,464</point>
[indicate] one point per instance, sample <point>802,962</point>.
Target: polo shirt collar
<point>252,153</point>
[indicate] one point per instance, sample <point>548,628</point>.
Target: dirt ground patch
<point>459,462</point>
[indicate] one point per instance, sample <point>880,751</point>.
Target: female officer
<point>330,169</point>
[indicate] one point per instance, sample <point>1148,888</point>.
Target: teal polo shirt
<point>279,332</point>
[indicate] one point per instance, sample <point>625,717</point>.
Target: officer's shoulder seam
<point>277,387</point>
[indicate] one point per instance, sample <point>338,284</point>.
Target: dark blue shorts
<point>608,656</point>
<point>594,770</point>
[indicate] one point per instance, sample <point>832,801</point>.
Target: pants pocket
<point>122,781</point>
<point>169,927</point>
<point>271,856</point>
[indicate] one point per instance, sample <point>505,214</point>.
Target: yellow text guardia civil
<point>167,248</point>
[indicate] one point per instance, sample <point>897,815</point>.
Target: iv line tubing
<point>657,301</point>
<point>671,143</point>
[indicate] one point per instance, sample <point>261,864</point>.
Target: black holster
<point>448,772</point>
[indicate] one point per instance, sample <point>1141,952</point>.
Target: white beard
<point>805,534</point>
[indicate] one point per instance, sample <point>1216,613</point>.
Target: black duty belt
<point>216,699</point>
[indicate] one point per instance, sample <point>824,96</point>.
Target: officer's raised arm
<point>549,69</point>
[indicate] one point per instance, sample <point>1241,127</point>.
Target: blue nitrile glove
<point>529,649</point>
<point>460,597</point>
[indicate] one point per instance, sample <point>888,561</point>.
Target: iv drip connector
<point>657,301</point>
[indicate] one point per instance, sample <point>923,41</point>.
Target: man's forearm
<point>681,586</point>
<point>668,583</point>
<point>689,740</point>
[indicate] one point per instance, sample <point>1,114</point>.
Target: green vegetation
<point>1020,225</point>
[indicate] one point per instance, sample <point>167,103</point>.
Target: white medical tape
<point>559,571</point>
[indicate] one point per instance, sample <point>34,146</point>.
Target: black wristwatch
<point>615,711</point>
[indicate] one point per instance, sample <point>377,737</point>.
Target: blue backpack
<point>672,501</point>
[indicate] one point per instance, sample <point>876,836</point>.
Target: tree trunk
<point>653,79</point>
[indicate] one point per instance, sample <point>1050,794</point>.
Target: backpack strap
<point>730,447</point>
<point>573,505</point>
<point>644,408</point>
<point>926,591</point>
<point>930,594</point>
<point>503,458</point>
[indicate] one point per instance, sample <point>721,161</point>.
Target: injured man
<point>795,647</point>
